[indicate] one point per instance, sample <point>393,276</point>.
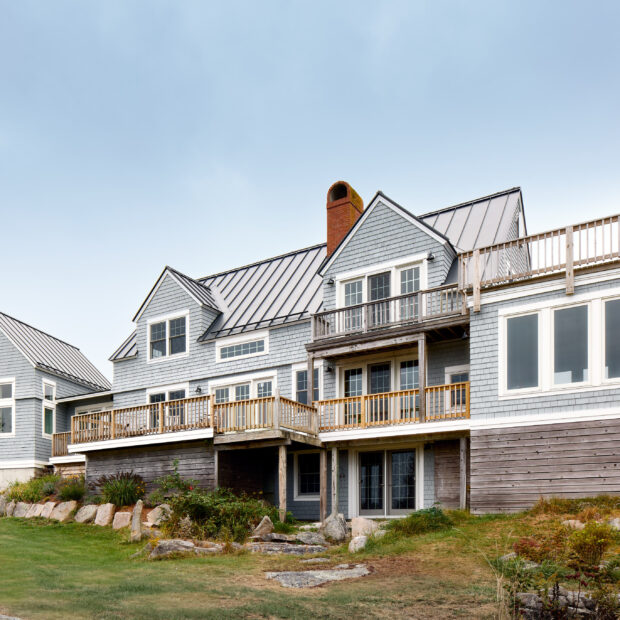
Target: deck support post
<point>310,381</point>
<point>422,375</point>
<point>463,473</point>
<point>323,485</point>
<point>282,481</point>
<point>334,481</point>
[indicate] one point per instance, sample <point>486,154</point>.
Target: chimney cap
<point>341,192</point>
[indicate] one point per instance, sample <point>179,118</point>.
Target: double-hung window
<point>308,479</point>
<point>353,296</point>
<point>301,386</point>
<point>167,337</point>
<point>49,408</point>
<point>7,406</point>
<point>409,284</point>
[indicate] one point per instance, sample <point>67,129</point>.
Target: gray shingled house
<point>36,370</point>
<point>445,358</point>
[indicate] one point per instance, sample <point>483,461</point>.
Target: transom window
<point>7,407</point>
<point>167,338</point>
<point>308,474</point>
<point>242,349</point>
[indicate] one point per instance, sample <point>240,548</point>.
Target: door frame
<point>354,476</point>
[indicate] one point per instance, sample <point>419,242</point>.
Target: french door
<point>387,480</point>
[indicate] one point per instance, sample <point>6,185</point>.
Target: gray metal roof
<point>271,292</point>
<point>479,222</point>
<point>51,354</point>
<point>287,288</point>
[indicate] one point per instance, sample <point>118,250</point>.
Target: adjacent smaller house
<point>36,370</point>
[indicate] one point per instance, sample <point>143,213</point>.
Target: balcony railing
<point>387,313</point>
<point>273,412</point>
<point>443,402</point>
<point>556,251</point>
<point>60,441</point>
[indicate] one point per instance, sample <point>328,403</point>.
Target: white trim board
<point>561,417</point>
<point>23,464</point>
<point>397,430</point>
<point>61,460</point>
<point>144,440</point>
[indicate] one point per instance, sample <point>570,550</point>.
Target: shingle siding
<point>484,345</point>
<point>383,237</point>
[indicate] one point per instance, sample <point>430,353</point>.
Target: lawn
<point>52,571</point>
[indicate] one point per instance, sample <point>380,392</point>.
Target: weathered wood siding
<point>70,469</point>
<point>249,471</point>
<point>196,460</point>
<point>513,467</point>
<point>447,473</point>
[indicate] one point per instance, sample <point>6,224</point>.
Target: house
<point>411,360</point>
<point>36,372</point>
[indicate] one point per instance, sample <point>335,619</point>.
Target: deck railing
<point>556,251</point>
<point>391,312</point>
<point>60,441</point>
<point>443,402</point>
<point>273,412</point>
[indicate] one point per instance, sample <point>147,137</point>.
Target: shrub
<point>170,485</point>
<point>122,489</point>
<point>33,490</point>
<point>589,544</point>
<point>549,545</point>
<point>422,521</point>
<point>215,514</point>
<point>71,488</point>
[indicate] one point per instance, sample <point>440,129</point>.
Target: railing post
<point>310,380</point>
<point>276,410</point>
<point>211,412</point>
<point>72,429</point>
<point>422,375</point>
<point>161,417</point>
<point>363,411</point>
<point>476,278</point>
<point>570,272</point>
<point>112,424</point>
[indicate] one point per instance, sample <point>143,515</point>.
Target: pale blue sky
<point>135,134</point>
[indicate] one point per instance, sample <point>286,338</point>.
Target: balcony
<point>164,421</point>
<point>404,311</point>
<point>443,402</point>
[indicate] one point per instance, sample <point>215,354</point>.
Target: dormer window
<point>167,337</point>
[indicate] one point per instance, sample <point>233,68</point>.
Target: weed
<point>122,489</point>
<point>589,544</point>
<point>420,522</point>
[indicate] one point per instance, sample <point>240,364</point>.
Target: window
<point>409,284</point>
<point>612,339</point>
<point>353,378</point>
<point>243,349</point>
<point>49,408</point>
<point>221,395</point>
<point>174,413</point>
<point>522,352</point>
<point>379,288</point>
<point>570,345</point>
<point>264,389</point>
<point>260,387</point>
<point>409,375</point>
<point>168,338</point>
<point>7,406</point>
<point>242,392</point>
<point>352,297</point>
<point>308,474</point>
<point>301,386</point>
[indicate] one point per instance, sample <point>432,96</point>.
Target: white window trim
<point>221,343</point>
<point>595,302</point>
<point>295,368</point>
<point>354,471</point>
<point>451,370</point>
<point>161,319</point>
<point>394,267</point>
<point>302,497</point>
<point>364,362</point>
<point>253,379</point>
<point>166,389</point>
<point>9,402</point>
<point>48,404</point>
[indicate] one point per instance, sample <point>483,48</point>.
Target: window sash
<point>570,345</point>
<point>48,391</point>
<point>301,382</point>
<point>244,348</point>
<point>6,420</point>
<point>6,391</point>
<point>308,474</point>
<point>522,351</point>
<point>158,340</point>
<point>48,420</point>
<point>612,339</point>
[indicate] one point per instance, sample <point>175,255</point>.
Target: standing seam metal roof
<point>52,354</point>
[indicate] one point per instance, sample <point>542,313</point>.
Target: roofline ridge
<point>184,275</point>
<point>260,262</point>
<point>470,202</point>
<point>40,331</point>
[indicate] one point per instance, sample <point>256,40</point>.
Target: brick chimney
<point>344,207</point>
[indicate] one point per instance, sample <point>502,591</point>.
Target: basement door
<point>387,480</point>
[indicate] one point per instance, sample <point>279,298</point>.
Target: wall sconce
<point>198,390</point>
<point>430,256</point>
<point>330,281</point>
<point>329,368</point>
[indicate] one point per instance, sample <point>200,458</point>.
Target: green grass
<point>51,571</point>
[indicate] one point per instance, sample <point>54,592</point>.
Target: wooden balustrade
<point>60,441</point>
<point>443,402</point>
<point>556,251</point>
<point>298,417</point>
<point>243,415</point>
<point>391,312</point>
